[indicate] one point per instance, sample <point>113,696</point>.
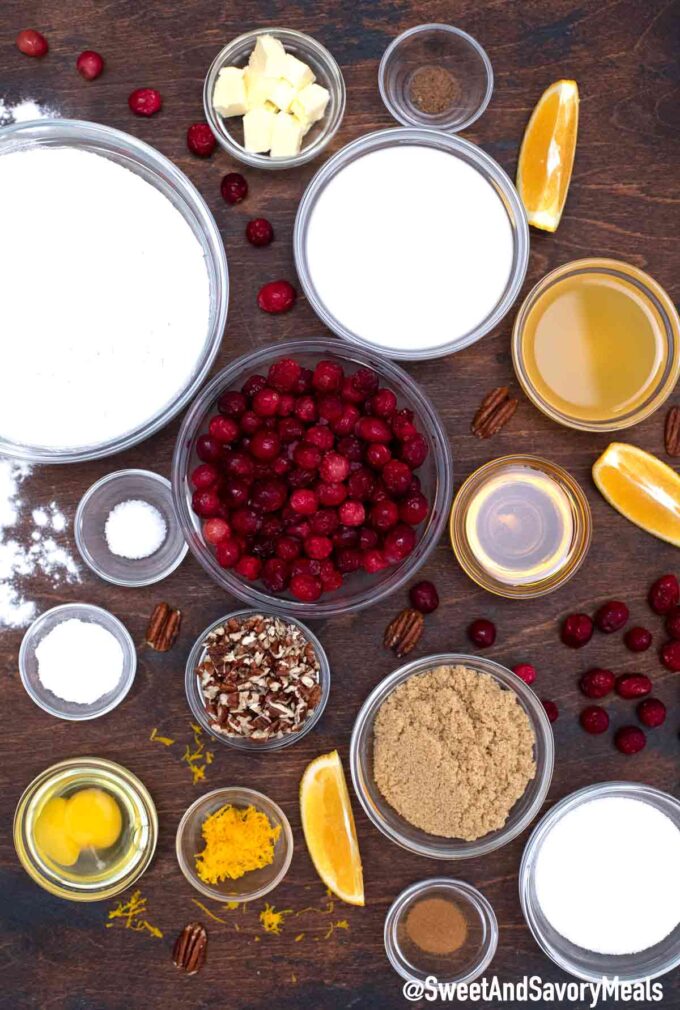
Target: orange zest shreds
<point>199,758</point>
<point>131,913</point>
<point>272,919</point>
<point>208,912</point>
<point>231,906</point>
<point>237,841</point>
<point>340,924</point>
<point>299,937</point>
<point>156,738</point>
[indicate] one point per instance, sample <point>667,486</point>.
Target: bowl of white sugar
<point>411,242</point>
<point>115,291</point>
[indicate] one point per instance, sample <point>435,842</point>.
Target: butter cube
<point>296,72</point>
<point>257,88</point>
<point>229,96</point>
<point>286,136</point>
<point>282,94</point>
<point>310,104</point>
<point>258,125</point>
<point>268,56</point>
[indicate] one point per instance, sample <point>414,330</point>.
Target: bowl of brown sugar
<point>452,756</point>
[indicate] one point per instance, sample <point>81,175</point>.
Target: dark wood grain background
<point>623,203</point>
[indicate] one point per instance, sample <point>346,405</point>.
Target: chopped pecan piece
<point>189,951</point>
<point>494,412</point>
<point>672,432</point>
<point>163,628</point>
<point>404,631</point>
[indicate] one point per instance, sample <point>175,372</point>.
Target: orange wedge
<point>328,824</point>
<point>641,488</point>
<point>546,157</point>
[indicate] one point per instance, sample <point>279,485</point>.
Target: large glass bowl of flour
<point>411,242</point>
<point>115,291</point>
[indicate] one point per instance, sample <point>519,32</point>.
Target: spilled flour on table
<point>25,110</point>
<point>33,547</point>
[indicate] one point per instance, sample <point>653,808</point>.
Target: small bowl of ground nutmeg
<point>441,927</point>
<point>436,76</point>
<point>257,681</point>
<point>452,756</point>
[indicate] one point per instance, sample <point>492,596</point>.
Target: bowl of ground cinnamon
<point>452,756</point>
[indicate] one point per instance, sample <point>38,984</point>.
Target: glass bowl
<point>468,963</point>
<point>399,830</point>
<point>328,74</point>
<point>195,699</point>
<point>254,884</point>
<point>436,45</point>
<point>585,964</point>
<point>28,663</point>
<point>472,155</point>
<point>134,850</point>
<point>91,516</point>
<point>157,170</point>
<point>359,590</point>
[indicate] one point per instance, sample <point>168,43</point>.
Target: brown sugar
<point>453,752</point>
<point>432,90</point>
<point>436,926</point>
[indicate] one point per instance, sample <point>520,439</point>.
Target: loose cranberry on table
<point>482,633</point>
<point>259,232</point>
<point>629,740</point>
<point>424,597</point>
<point>276,297</point>
<point>633,685</point>
<point>31,43</point>
<point>577,630</point>
<point>597,683</point>
<point>525,672</point>
<point>594,719</point>
<point>637,639</point>
<point>670,656</point>
<point>201,140</point>
<point>90,65</point>
<point>145,101</point>
<point>611,616</point>
<point>672,623</point>
<point>233,187</point>
<point>664,594</point>
<point>651,712</point>
<point>551,709</point>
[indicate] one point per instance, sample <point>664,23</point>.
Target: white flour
<point>79,661</point>
<point>105,299</point>
<point>23,111</point>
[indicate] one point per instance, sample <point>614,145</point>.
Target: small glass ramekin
<point>580,541</point>
<point>659,303</point>
<point>328,74</point>
<point>252,885</point>
<point>585,964</point>
<point>477,952</point>
<point>489,169</point>
<point>132,796</point>
<point>360,589</point>
<point>436,45</point>
<point>195,698</point>
<point>392,824</point>
<point>90,521</point>
<point>28,663</point>
<point>164,176</point>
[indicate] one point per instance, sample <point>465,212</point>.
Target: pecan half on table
<point>404,631</point>
<point>189,951</point>
<point>672,432</point>
<point>163,628</point>
<point>493,413</point>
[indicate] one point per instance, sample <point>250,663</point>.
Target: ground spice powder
<point>433,90</point>
<point>436,926</point>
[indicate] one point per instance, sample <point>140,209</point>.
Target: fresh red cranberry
<point>414,451</point>
<point>283,375</point>
<point>331,579</point>
<point>365,380</point>
<point>223,429</point>
<point>321,437</point>
<point>350,447</point>
<point>611,616</point>
<point>325,521</point>
<point>318,547</point>
<point>306,566</point>
<point>334,468</point>
<point>482,633</point>
<point>246,521</point>
<point>424,597</point>
<point>266,402</point>
<point>232,404</point>
<point>290,430</point>
<point>361,484</point>
<point>306,588</point>
<point>398,543</point>
<point>350,393</point>
<point>332,495</point>
<point>402,425</point>
<point>331,407</point>
<point>234,188</point>
<point>346,536</point>
<point>577,630</point>
<point>208,449</point>
<point>307,456</point>
<point>215,531</point>
<point>201,140</point>
<point>145,101</point>
<point>352,513</point>
<point>272,526</point>
<point>328,377</point>
<point>384,514</point>
<point>664,594</point>
<point>368,538</point>
<point>348,559</point>
<point>378,455</point>
<point>551,709</point>
<point>306,409</point>
<point>651,712</point>
<point>379,492</point>
<point>31,43</point>
<point>414,509</point>
<point>597,683</point>
<point>525,672</point>
<point>396,477</point>
<point>346,423</point>
<point>237,492</point>
<point>253,384</point>
<point>383,403</point>
<point>286,405</point>
<point>304,501</point>
<point>276,296</point>
<point>259,232</point>
<point>629,740</point>
<point>672,623</point>
<point>227,553</point>
<point>288,548</point>
<point>304,382</point>
<point>670,656</point>
<point>239,465</point>
<point>373,429</point>
<point>275,575</point>
<point>248,567</point>
<point>637,639</point>
<point>250,422</point>
<point>90,64</point>
<point>594,719</point>
<point>301,478</point>
<point>633,685</point>
<point>265,445</point>
<point>204,475</point>
<point>205,503</point>
<point>269,494</point>
<point>373,561</point>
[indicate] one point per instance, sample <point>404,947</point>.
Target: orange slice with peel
<point>546,157</point>
<point>328,825</point>
<point>642,488</point>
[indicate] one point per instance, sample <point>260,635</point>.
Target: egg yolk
<point>50,833</point>
<point>93,818</point>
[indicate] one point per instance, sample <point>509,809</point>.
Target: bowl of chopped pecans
<point>257,681</point>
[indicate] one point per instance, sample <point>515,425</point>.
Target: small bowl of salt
<point>126,528</point>
<point>77,661</point>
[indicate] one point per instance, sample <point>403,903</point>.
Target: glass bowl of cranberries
<point>312,480</point>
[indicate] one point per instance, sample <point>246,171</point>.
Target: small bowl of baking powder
<point>126,528</point>
<point>77,661</point>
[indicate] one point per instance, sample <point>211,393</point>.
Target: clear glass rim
<point>633,790</point>
<point>68,131</point>
<point>480,903</point>
<point>453,144</point>
<point>403,117</point>
<point>335,81</point>
<point>544,749</point>
<point>659,299</point>
<point>262,802</point>
<point>583,528</point>
<point>129,659</point>
<point>82,547</point>
<point>250,746</point>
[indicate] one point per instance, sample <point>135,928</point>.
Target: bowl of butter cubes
<point>274,98</point>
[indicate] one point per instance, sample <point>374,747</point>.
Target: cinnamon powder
<point>432,90</point>
<point>436,926</point>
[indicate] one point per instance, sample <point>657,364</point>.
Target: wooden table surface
<point>623,203</point>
